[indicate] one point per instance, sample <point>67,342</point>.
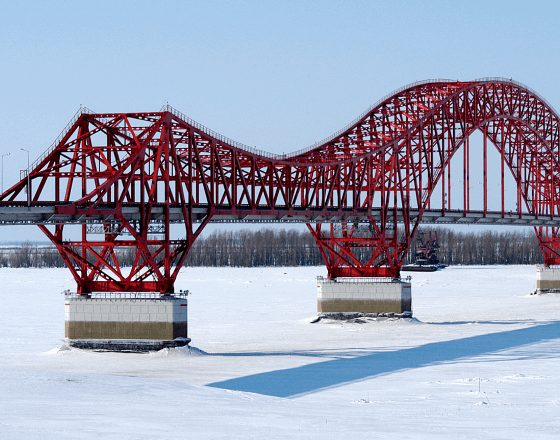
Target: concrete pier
<point>135,321</point>
<point>548,279</point>
<point>382,296</point>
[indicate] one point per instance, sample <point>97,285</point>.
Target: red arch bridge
<point>127,177</point>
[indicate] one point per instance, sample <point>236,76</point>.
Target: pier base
<point>548,279</point>
<point>126,321</point>
<point>382,296</point>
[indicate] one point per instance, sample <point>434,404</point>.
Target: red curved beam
<point>135,172</point>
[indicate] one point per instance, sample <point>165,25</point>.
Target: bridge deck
<point>47,215</point>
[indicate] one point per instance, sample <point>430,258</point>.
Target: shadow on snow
<point>314,377</point>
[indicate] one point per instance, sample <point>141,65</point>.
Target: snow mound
<point>362,401</point>
<point>176,351</point>
<point>523,376</point>
<point>189,351</point>
<point>63,349</point>
<point>53,351</point>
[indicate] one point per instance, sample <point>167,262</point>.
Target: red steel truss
<point>129,176</point>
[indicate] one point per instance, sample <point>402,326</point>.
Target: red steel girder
<point>389,161</point>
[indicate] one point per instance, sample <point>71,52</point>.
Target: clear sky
<point>278,75</point>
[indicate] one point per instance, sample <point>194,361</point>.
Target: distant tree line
<point>279,247</point>
<point>247,248</point>
<point>29,255</point>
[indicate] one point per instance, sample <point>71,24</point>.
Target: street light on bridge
<point>2,190</point>
<point>28,186</point>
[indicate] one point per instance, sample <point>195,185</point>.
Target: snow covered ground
<point>480,359</point>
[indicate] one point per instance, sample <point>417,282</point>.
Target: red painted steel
<point>388,162</point>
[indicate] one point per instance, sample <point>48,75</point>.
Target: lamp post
<point>28,186</point>
<point>7,154</point>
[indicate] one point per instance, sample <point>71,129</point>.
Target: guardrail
<point>124,295</point>
<point>361,280</point>
<point>218,136</point>
<point>520,84</point>
<point>262,153</point>
<point>409,86</point>
<point>64,132</point>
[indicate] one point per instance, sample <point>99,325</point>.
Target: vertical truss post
<point>485,170</point>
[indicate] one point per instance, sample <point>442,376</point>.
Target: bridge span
<point>135,173</point>
<point>127,177</point>
<point>20,214</point>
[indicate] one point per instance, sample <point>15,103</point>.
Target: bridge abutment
<point>548,279</point>
<point>381,296</point>
<point>126,321</point>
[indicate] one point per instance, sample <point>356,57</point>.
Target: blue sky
<point>278,75</point>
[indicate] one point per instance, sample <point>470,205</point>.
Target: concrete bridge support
<point>548,279</point>
<point>126,321</point>
<point>381,296</point>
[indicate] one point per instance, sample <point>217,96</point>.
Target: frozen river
<point>480,359</point>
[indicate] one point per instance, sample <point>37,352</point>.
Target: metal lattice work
<point>134,174</point>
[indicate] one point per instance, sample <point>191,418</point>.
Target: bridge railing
<point>226,140</point>
<point>35,164</point>
<point>218,136</point>
<point>520,84</point>
<point>364,280</point>
<point>365,113</point>
<point>408,86</point>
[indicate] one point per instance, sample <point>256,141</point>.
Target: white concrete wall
<point>362,290</point>
<point>548,273</point>
<point>125,310</point>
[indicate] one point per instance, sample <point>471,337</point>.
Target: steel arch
<point>134,174</point>
<point>417,131</point>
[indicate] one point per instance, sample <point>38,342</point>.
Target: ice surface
<point>480,360</point>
